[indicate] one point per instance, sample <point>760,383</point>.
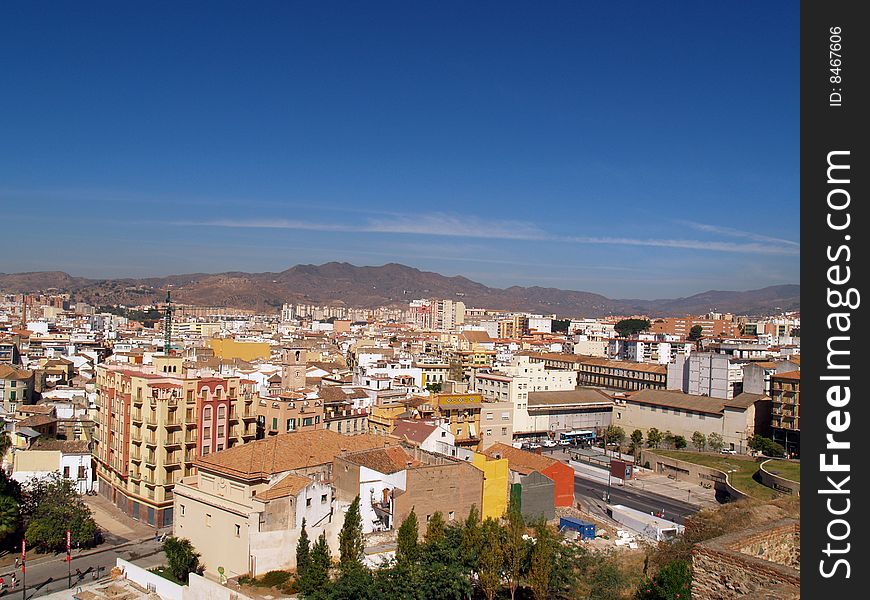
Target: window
<point>206,432</point>
<point>504,430</point>
<point>323,498</point>
<point>82,474</point>
<point>291,424</point>
<point>308,502</point>
<point>207,520</point>
<point>238,530</point>
<point>339,426</point>
<point>451,515</point>
<point>222,412</point>
<point>206,413</point>
<point>274,423</point>
<point>66,472</point>
<point>489,432</point>
<point>182,509</point>
<point>220,447</point>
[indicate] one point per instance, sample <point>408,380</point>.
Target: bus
<point>577,437</point>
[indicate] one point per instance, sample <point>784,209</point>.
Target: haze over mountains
<point>370,287</point>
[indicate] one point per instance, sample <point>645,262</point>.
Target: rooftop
<point>286,452</point>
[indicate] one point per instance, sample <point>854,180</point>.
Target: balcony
<point>151,460</point>
<point>173,440</point>
<point>172,461</point>
<point>150,441</point>
<point>174,423</point>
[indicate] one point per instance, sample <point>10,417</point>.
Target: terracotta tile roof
<point>681,401</point>
<point>9,372</point>
<point>36,409</point>
<point>384,460</point>
<point>65,446</point>
<point>519,460</point>
<point>745,400</point>
<point>793,375</point>
<point>286,452</point>
<point>413,430</point>
<point>477,337</point>
<point>334,393</point>
<point>36,421</point>
<point>290,485</point>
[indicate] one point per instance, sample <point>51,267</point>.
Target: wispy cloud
<point>447,225</point>
<point>728,231</point>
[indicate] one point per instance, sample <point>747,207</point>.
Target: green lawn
<point>165,574</point>
<point>740,470</point>
<point>787,469</point>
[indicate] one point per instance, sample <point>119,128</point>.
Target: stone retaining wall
<point>749,563</point>
<point>780,484</point>
<point>691,472</point>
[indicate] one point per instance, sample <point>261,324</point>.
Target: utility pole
<point>23,570</point>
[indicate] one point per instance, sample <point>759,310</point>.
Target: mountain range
<point>391,284</point>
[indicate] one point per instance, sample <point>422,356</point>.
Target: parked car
<point>564,442</point>
<point>728,451</point>
<point>550,443</point>
<point>534,446</point>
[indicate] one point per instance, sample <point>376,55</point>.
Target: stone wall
<point>761,562</point>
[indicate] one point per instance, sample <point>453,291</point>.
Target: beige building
<point>682,414</point>
<point>243,509</point>
<point>154,421</point>
<point>16,387</point>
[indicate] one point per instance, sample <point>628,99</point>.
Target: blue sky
<point>634,149</point>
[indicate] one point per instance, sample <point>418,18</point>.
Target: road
<point>50,576</point>
<point>594,489</point>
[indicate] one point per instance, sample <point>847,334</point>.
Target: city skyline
<point>628,151</point>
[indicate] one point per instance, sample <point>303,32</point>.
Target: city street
<point>593,490</point>
<point>50,575</point>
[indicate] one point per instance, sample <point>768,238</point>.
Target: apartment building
<point>290,411</point>
<point>153,422</point>
<point>16,387</point>
<point>785,393</point>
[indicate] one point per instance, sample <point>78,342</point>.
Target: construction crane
<point>167,325</point>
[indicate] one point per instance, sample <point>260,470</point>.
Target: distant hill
<point>369,287</point>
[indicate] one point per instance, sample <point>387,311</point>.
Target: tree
<point>350,539</point>
<point>303,551</point>
<point>679,442</point>
<point>181,557</point>
<point>491,559</point>
<point>674,580</point>
<point>435,388</point>
<point>627,327</point>
<point>52,505</point>
<point>407,548</point>
<point>636,440</point>
<point>435,531</point>
<point>696,332</point>
<point>515,549</point>
<point>607,581</point>
<point>615,435</point>
<point>10,517</point>
<point>715,441</point>
<point>471,539</point>
<point>542,564</point>
<point>653,437</point>
<point>766,446</point>
<point>699,440</point>
<point>316,576</point>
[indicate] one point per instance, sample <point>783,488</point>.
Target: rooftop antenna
<point>167,325</point>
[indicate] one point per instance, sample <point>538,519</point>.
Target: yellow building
<point>228,349</point>
<point>461,413</point>
<point>495,485</point>
<point>382,419</point>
